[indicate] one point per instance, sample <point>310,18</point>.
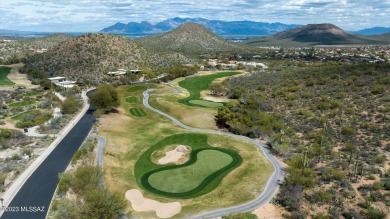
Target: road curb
<point>19,182</point>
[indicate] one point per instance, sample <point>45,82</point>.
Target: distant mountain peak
<point>373,31</point>
<point>190,26</point>
<point>313,34</point>
<point>190,39</point>
<point>216,26</point>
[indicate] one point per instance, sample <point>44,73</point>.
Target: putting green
<point>139,112</point>
<point>206,103</point>
<point>196,84</point>
<point>208,161</point>
<point>136,88</point>
<point>131,99</point>
<point>201,174</point>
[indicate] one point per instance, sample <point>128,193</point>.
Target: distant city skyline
<point>94,15</point>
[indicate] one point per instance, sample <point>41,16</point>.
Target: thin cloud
<point>93,15</point>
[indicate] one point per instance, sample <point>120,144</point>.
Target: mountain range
<point>373,31</point>
<point>222,28</point>
<point>317,34</point>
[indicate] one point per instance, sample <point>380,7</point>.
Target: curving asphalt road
<point>269,190</point>
<point>34,197</point>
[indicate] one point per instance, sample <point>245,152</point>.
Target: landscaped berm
<point>203,172</point>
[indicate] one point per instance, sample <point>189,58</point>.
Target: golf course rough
<point>204,171</point>
<point>196,84</point>
<point>137,88</point>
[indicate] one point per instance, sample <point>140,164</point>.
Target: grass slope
<point>22,103</point>
<point>211,165</point>
<point>136,88</point>
<point>4,71</point>
<point>199,83</point>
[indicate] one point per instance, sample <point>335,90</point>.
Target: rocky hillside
<point>330,123</point>
<point>90,56</point>
<point>190,39</point>
<point>46,42</point>
<point>313,34</point>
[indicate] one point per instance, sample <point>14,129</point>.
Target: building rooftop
<point>56,78</point>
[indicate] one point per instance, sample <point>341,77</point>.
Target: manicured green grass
<point>139,112</point>
<point>203,172</point>
<point>4,71</point>
<point>22,103</point>
<point>136,88</point>
<point>206,103</point>
<point>20,115</point>
<point>32,93</point>
<point>130,137</point>
<point>189,177</point>
<point>132,99</point>
<point>196,84</point>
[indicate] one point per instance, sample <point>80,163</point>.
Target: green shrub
<point>69,106</point>
<point>345,130</point>
<point>86,177</point>
<point>33,118</point>
<point>378,89</point>
<point>16,157</point>
<point>65,209</point>
<point>81,153</point>
<point>373,213</point>
<point>65,182</point>
<point>240,216</point>
<point>100,203</point>
<point>3,176</point>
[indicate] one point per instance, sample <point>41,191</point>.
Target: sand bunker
<point>175,156</point>
<point>141,204</point>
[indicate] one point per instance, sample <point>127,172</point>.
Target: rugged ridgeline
<point>46,42</point>
<point>17,49</point>
<point>191,40</point>
<point>373,31</point>
<point>90,56</point>
<point>315,34</point>
<point>383,37</point>
<point>218,27</point>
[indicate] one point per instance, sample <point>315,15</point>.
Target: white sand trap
<point>141,204</point>
<point>175,155</point>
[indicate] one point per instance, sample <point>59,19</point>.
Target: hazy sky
<point>94,15</point>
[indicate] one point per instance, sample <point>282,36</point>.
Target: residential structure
<point>62,82</point>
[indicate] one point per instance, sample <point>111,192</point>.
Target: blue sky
<point>94,15</point>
